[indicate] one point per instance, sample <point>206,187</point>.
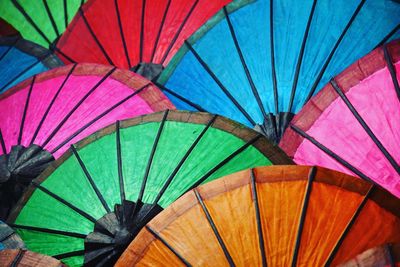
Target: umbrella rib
<point>119,163</point>
<point>226,160</point>
<point>163,88</point>
<point>160,30</point>
<point>21,128</point>
<point>51,105</point>
<point>332,254</point>
<point>165,243</point>
<point>2,142</point>
<point>330,56</point>
<point>364,125</point>
<point>69,254</point>
<point>9,48</point>
<point>178,32</point>
<point>391,256</point>
<point>306,200</point>
<point>219,83</point>
<point>29,19</point>
<point>55,48</point>
<point>150,161</point>
<point>392,71</point>
<point>18,258</point>
<point>65,13</point>
<point>388,36</point>
<point>53,133</point>
<point>141,43</point>
<point>244,65</point>
<point>65,202</point>
<point>98,117</point>
<point>95,37</point>
<point>258,219</point>
<point>90,179</point>
<point>53,23</point>
<point>214,228</point>
<point>121,31</point>
<point>49,231</point>
<point>182,161</point>
<point>273,70</point>
<point>301,54</point>
<point>330,153</point>
<point>20,74</point>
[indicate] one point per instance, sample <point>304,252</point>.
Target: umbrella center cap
<point>122,238</point>
<point>150,71</point>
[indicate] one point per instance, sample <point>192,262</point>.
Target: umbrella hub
<point>149,70</point>
<point>274,126</point>
<point>17,169</point>
<point>114,231</point>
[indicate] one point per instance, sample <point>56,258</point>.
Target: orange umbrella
<point>275,216</point>
<point>24,258</point>
<point>386,255</point>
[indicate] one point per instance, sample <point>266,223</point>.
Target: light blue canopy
<point>258,62</point>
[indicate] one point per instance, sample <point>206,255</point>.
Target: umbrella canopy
<point>133,34</point>
<point>20,59</point>
<point>19,257</point>
<point>259,64</point>
<point>90,204</point>
<point>275,216</point>
<point>386,255</point>
<point>41,22</point>
<point>8,238</point>
<point>352,125</point>
<point>43,115</point>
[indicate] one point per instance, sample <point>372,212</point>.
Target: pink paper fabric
<point>110,92</point>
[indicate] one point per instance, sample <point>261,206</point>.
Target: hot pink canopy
<point>353,124</point>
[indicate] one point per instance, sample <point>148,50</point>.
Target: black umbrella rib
<point>178,32</point>
<point>365,126</point>
<point>95,37</point>
<point>165,243</point>
<point>182,161</point>
<point>360,207</point>
<point>392,71</point>
<point>69,254</point>
<point>244,65</point>
<point>121,32</point>
<point>26,106</point>
<point>9,48</point>
<point>65,13</point>
<point>119,163</point>
<point>306,200</point>
<point>55,48</point>
<point>90,179</point>
<point>214,228</point>
<point>160,30</point>
<point>330,56</point>
<point>65,202</point>
<point>53,23</point>
<point>46,113</point>
<point>20,74</point>
<point>226,160</point>
<point>29,19</point>
<point>219,83</point>
<point>48,231</point>
<point>54,132</point>
<point>152,153</point>
<point>141,44</point>
<point>330,153</point>
<point>301,54</point>
<point>84,127</point>
<point>388,36</point>
<point>2,142</point>
<point>163,88</point>
<point>273,68</point>
<point>258,219</point>
<point>18,258</point>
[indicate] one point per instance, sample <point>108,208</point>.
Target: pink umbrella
<point>43,115</point>
<point>353,124</point>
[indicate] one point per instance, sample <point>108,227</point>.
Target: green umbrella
<point>91,202</point>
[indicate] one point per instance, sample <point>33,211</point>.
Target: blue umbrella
<point>259,62</point>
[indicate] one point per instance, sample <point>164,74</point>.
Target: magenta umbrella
<point>353,124</point>
<point>43,115</point>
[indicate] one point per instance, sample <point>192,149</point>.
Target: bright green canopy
<point>144,163</point>
<point>39,21</point>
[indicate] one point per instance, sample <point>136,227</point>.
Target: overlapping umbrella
<point>352,125</point>
<point>21,59</point>
<point>385,255</point>
<point>133,34</point>
<point>25,258</point>
<point>275,216</point>
<point>91,203</point>
<point>43,115</point>
<point>8,238</point>
<point>260,63</point>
